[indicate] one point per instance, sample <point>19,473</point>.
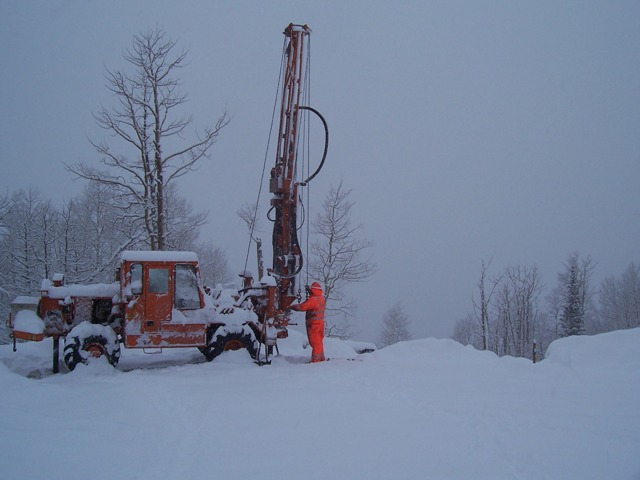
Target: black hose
<point>326,143</point>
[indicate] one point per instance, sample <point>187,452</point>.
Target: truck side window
<point>187,295</point>
<point>136,278</point>
<point>158,280</point>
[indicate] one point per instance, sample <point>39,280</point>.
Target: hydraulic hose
<point>326,143</point>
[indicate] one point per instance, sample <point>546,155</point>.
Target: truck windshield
<point>187,294</point>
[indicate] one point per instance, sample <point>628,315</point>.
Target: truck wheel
<point>223,341</point>
<point>87,343</point>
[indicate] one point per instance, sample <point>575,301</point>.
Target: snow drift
<point>421,409</point>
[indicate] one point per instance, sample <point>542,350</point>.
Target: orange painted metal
<point>143,314</point>
<point>95,350</point>
<point>148,318</point>
<point>33,337</point>
<point>233,345</point>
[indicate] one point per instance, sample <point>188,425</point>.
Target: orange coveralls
<point>314,308</point>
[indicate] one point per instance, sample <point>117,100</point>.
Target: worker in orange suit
<point>314,308</point>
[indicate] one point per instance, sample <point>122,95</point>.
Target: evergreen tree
<point>575,294</point>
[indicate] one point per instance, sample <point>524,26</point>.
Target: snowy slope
<point>421,409</point>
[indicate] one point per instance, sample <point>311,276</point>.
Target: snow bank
<point>336,348</point>
<point>608,350</point>
<point>421,409</point>
<point>361,347</point>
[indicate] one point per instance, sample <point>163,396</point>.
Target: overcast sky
<point>467,130</point>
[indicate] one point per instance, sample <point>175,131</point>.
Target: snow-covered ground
<point>420,409</point>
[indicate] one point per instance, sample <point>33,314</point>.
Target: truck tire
<point>84,344</point>
<point>222,341</point>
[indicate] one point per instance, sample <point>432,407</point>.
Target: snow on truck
<point>158,300</point>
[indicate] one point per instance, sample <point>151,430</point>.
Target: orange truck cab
<point>162,300</point>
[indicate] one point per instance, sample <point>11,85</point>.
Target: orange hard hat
<point>316,286</point>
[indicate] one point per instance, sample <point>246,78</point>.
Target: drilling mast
<point>287,256</point>
<point>278,289</point>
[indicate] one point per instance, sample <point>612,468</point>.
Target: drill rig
<point>158,301</point>
<point>278,289</point>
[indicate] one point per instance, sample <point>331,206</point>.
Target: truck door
<point>158,298</point>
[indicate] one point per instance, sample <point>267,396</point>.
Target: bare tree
<point>525,285</point>
<point>5,288</point>
<point>339,256</point>
<point>214,269</point>
<point>554,303</point>
<point>183,223</point>
<point>45,237</point>
<point>465,332</point>
<point>22,263</point>
<point>145,122</point>
<point>620,300</point>
<point>509,324</point>
<point>248,214</point>
<point>395,327</point>
<point>93,234</point>
<point>516,312</point>
<point>5,207</point>
<point>482,310</point>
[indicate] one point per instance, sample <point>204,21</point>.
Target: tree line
<point>83,237</point>
<point>512,315</point>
